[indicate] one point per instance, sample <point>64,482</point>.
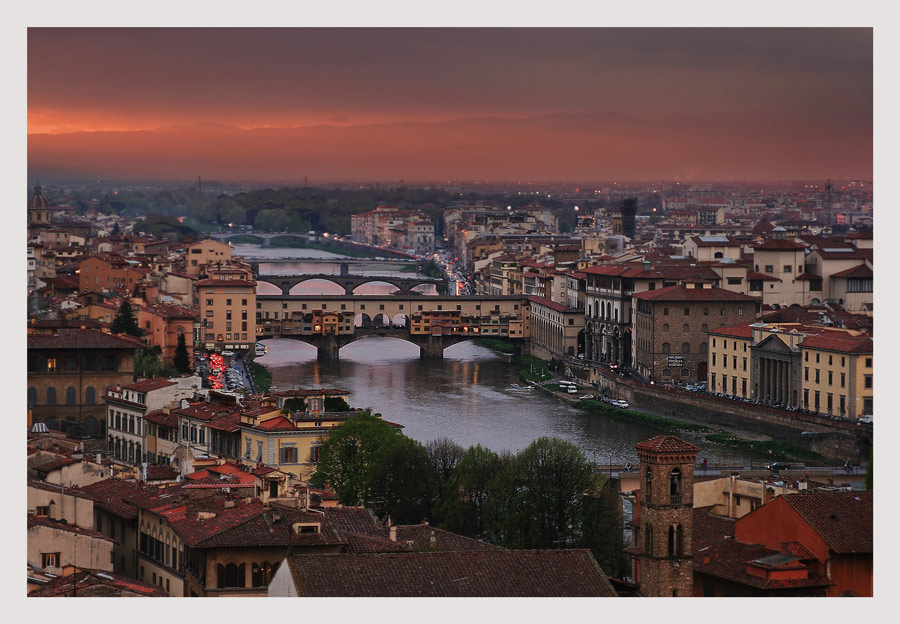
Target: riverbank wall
<point>836,441</point>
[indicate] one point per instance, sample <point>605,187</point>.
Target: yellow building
<point>729,360</point>
<point>199,255</point>
<point>837,374</point>
<point>227,313</point>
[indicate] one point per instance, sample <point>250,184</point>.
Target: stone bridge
<point>348,282</point>
<point>461,318</point>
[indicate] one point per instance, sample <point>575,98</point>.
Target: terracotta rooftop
<point>420,536</point>
<point>736,331</point>
<point>217,282</point>
<point>56,463</point>
<point>94,583</point>
<point>279,423</point>
<point>65,526</point>
<point>82,339</point>
<point>843,519</point>
<point>148,385</point>
<point>855,344</point>
<point>780,245</point>
<point>486,573</point>
<point>169,420</point>
<point>666,444</point>
<point>682,293</point>
<point>862,270</point>
<point>110,495</point>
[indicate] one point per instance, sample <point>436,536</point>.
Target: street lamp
<point>610,464</point>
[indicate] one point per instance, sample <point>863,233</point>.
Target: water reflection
<point>468,397</point>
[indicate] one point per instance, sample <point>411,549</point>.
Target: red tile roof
<point>56,463</point>
<point>753,275</point>
<point>666,444</point>
<point>148,385</point>
<point>161,473</point>
<point>862,270</point>
<point>420,536</point>
<point>736,331</point>
<point>780,245</point>
<point>82,339</point>
<point>111,495</point>
<point>216,282</point>
<point>682,293</point>
<point>279,423</point>
<point>856,344</point>
<point>93,583</point>
<point>486,573</point>
<point>843,519</point>
<point>169,420</point>
<point>65,526</point>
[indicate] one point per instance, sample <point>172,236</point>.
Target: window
<point>288,455</point>
<point>51,396</point>
<point>90,395</point>
<point>685,372</point>
<point>704,327</point>
<point>843,379</point>
<point>686,328</point>
<point>32,395</point>
<point>259,450</point>
<point>667,372</point>
<point>868,362</point>
<point>721,311</point>
<point>817,375</point>
<point>50,560</point>
<point>868,381</point>
<point>713,359</point>
<point>70,396</point>
<point>830,375</point>
<point>740,311</point>
<point>648,538</point>
<point>769,268</point>
<point>787,268</point>
<point>665,327</point>
<point>675,487</point>
<point>649,489</point>
<point>687,311</point>
<point>228,302</point>
<point>685,347</point>
<point>705,311</point>
<point>666,347</point>
<point>665,311</point>
<point>806,373</point>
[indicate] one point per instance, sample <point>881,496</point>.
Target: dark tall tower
<point>666,517</point>
<point>628,210</point>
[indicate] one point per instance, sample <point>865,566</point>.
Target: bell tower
<point>665,516</point>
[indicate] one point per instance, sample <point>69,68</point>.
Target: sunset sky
<point>435,104</point>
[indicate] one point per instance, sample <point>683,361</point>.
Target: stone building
<point>663,547</point>
<point>671,325</point>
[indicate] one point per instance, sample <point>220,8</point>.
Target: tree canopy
<point>125,322</point>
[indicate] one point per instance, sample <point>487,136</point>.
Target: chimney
<point>393,533</point>
<point>432,540</point>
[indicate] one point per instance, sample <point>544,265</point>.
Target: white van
<point>572,390</point>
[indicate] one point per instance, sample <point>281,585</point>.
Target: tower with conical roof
<point>665,538</point>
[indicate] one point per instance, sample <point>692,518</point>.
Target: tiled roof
<point>174,311</point>
<point>420,535</point>
<point>148,385</point>
<point>549,304</point>
<point>862,270</point>
<point>226,422</point>
<point>780,245</point>
<point>110,495</point>
<point>374,544</point>
<point>736,331</point>
<point>56,463</point>
<point>849,254</point>
<point>856,344</point>
<point>82,339</point>
<point>279,423</point>
<point>169,420</point>
<point>843,519</point>
<point>682,293</point>
<point>216,282</point>
<point>666,444</point>
<point>753,275</point>
<point>206,411</point>
<point>65,526</point>
<point>486,573</point>
<point>161,473</point>
<point>274,527</point>
<point>92,583</point>
<point>310,392</point>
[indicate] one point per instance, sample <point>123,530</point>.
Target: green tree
<point>336,404</point>
<point>539,499</point>
<point>182,361</point>
<point>401,482</point>
<point>297,404</point>
<point>465,494</point>
<point>444,455</point>
<point>148,362</point>
<point>125,321</point>
<point>349,454</point>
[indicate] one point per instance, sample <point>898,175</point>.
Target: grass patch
<point>666,424</point>
<point>764,447</point>
<point>262,378</point>
<point>534,369</point>
<point>497,345</point>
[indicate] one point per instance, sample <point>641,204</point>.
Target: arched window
<point>667,372</point>
<point>220,576</point>
<point>718,254</point>
<point>671,541</point>
<point>666,347</point>
<point>51,396</point>
<point>648,539</point>
<point>32,395</point>
<point>703,347</point>
<point>648,496</point>
<point>70,395</point>
<point>231,575</point>
<point>685,347</point>
<point>665,327</point>
<point>686,328</point>
<point>679,541</point>
<point>90,395</point>
<point>675,486</point>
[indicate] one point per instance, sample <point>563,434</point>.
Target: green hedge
<point>497,345</point>
<point>666,424</point>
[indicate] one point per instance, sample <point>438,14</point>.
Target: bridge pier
<point>328,348</point>
<point>431,348</point>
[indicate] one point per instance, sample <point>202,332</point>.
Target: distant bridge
<point>344,264</point>
<point>348,282</point>
<point>265,238</point>
<point>431,322</point>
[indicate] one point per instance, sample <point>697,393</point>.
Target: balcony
<point>675,499</point>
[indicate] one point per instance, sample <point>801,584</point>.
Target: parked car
<point>620,403</point>
<point>865,420</point>
<point>228,353</point>
<point>778,465</point>
<point>587,397</point>
<point>572,390</point>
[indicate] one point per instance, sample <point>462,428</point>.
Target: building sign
<point>676,360</point>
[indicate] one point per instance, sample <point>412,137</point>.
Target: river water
<point>467,397</point>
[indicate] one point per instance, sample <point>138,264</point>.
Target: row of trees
<point>547,496</point>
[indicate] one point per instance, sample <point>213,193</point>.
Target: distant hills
<point>562,146</point>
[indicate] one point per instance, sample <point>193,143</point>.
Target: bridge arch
<point>362,320</point>
<point>374,285</point>
<point>381,320</point>
<point>321,286</point>
<point>267,288</point>
<point>400,320</point>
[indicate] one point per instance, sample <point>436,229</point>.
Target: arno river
<point>467,397</point>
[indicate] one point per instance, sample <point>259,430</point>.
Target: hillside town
<point>162,462</point>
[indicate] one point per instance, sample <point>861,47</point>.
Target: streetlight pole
<point>610,464</point>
